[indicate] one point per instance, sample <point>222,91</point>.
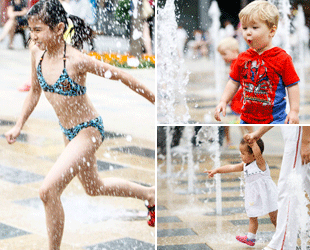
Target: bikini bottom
<point>72,132</point>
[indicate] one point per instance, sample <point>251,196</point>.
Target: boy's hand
<point>292,118</point>
<point>211,173</point>
<point>220,108</point>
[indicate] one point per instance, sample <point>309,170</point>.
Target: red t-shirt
<point>32,2</point>
<point>236,102</point>
<point>263,79</point>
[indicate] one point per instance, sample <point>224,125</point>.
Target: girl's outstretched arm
<point>30,102</point>
<point>108,71</point>
<point>225,169</point>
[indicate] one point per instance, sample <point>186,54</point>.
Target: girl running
<point>60,71</point>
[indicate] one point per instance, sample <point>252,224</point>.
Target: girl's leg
<point>75,154</point>
<point>9,25</point>
<point>147,38</point>
<point>12,34</point>
<point>273,217</point>
<point>253,225</point>
<point>227,136</point>
<point>250,238</point>
<point>95,186</point>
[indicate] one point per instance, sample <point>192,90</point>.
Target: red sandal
<point>151,215</point>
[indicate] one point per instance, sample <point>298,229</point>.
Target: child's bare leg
<point>227,135</point>
<point>12,33</point>
<point>95,186</point>
<point>253,225</point>
<point>66,167</point>
<point>273,217</point>
<point>8,27</point>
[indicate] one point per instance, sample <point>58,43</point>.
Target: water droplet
<point>107,155</point>
<point>133,62</point>
<point>136,34</point>
<point>108,74</point>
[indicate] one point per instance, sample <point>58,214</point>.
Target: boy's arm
<point>293,96</point>
<point>229,91</point>
<point>225,169</point>
<point>258,156</point>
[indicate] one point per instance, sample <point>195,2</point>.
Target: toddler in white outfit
<point>261,193</point>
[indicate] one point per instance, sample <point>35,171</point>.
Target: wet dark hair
<point>259,142</point>
<point>51,13</point>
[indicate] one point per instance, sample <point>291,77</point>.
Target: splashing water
<point>285,11</point>
<point>303,50</point>
<point>215,14</point>
<point>209,138</point>
<point>170,77</point>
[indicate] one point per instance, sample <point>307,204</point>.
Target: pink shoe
<point>245,240</point>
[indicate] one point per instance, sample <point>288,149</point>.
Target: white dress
<point>261,193</point>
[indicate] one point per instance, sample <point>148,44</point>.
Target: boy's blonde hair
<point>228,43</point>
<point>262,10</point>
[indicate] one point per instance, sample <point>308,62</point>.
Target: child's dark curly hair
<point>259,142</point>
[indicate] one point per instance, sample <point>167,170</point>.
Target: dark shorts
<point>21,21</point>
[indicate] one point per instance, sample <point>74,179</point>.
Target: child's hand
<point>251,143</point>
<point>249,138</point>
<point>12,134</point>
<point>220,108</point>
<point>211,173</point>
<point>292,118</point>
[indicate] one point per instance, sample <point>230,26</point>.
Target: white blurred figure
<point>181,40</point>
<point>229,29</point>
<point>199,46</point>
<point>148,25</point>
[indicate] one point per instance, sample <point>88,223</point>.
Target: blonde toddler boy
<point>263,71</point>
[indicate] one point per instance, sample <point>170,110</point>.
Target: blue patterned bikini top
<point>64,85</point>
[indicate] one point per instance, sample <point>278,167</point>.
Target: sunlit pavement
<point>128,152</point>
<point>189,220</point>
<point>202,95</point>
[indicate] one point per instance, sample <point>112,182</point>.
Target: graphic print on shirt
<point>256,83</point>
